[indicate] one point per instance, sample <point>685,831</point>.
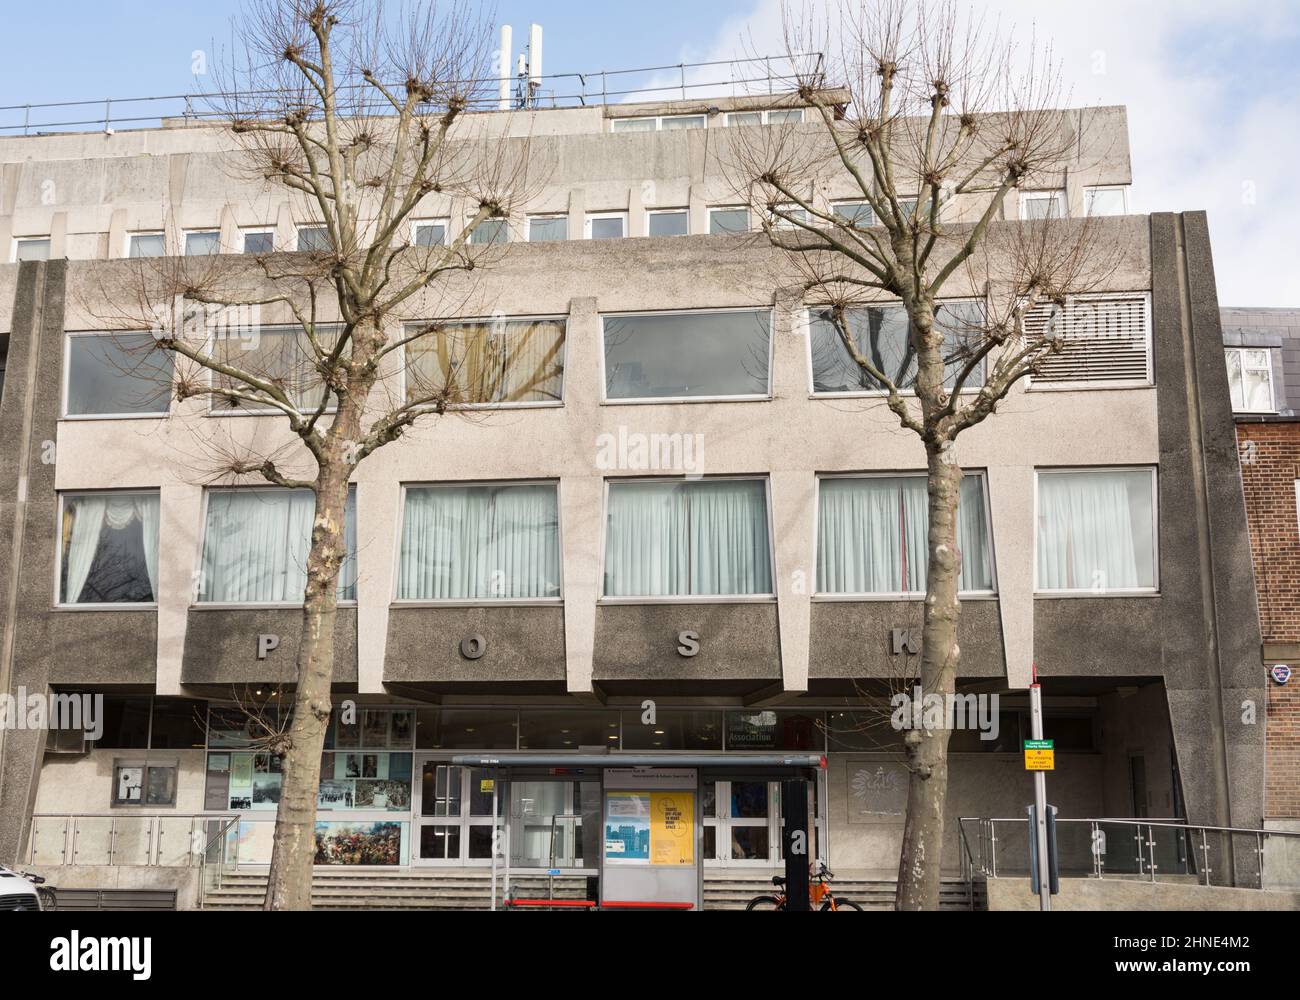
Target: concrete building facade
<point>1145,683</point>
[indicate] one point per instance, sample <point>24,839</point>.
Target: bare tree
<point>932,120</point>
<point>360,117</point>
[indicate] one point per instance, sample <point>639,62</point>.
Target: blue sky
<point>1212,86</point>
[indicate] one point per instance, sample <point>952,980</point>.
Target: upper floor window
<point>283,355</point>
<point>634,125</point>
<point>255,546</point>
<point>787,217</point>
<point>488,363</point>
<point>314,239</point>
<point>31,248</point>
<point>1042,205</point>
<point>258,241</point>
<point>606,226</point>
<point>706,538</point>
<point>1250,379</point>
<point>698,355</point>
<point>774,116</point>
<point>1106,200</point>
<point>497,542</point>
<point>108,548</point>
<point>872,536</point>
<point>491,231</point>
<point>548,228</point>
<point>116,375</point>
<point>856,213</point>
<point>728,221</point>
<point>1105,341</point>
<point>146,245</point>
<point>202,244</point>
<point>1097,531</point>
<point>669,222</point>
<point>666,123</point>
<point>429,233</point>
<point>882,335</point>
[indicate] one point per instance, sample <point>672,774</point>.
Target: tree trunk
<point>289,884</point>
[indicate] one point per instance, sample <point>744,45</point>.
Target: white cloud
<point>1200,140</point>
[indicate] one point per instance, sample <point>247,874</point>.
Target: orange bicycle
<point>819,895</point>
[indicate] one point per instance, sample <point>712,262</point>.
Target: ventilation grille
<point>1106,340</point>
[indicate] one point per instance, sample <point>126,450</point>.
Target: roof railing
<point>757,76</point>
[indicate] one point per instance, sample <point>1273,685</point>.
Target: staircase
<point>472,890</point>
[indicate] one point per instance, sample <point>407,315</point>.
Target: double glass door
<point>454,814</point>
<point>742,823</point>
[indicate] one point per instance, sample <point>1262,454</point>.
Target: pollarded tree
<point>933,123</point>
<point>361,118</point>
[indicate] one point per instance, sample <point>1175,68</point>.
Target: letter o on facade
<point>473,647</point>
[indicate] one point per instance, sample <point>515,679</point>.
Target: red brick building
<point>1263,349</point>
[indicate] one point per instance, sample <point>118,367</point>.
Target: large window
<point>548,228</point>
<point>872,536</point>
<point>202,243</point>
<point>480,543</point>
<point>1106,200</point>
<point>31,248</point>
<point>688,355</point>
<point>116,375</point>
<point>1097,531</point>
<point>669,222</point>
<point>882,335</point>
<point>687,539</point>
<point>728,221</point>
<point>282,355</point>
<point>146,245</point>
<point>1250,378</point>
<point>1042,205</point>
<point>491,231</point>
<point>429,233</point>
<point>606,226</point>
<point>255,547</point>
<point>488,363</point>
<point>109,549</point>
<point>314,239</point>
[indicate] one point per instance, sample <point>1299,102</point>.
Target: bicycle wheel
<point>765,903</point>
<point>49,900</point>
<point>842,904</point>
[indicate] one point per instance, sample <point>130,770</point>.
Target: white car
<point>16,893</point>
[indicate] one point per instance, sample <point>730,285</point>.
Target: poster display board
<point>651,836</point>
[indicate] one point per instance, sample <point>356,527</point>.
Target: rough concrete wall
<point>1123,894</point>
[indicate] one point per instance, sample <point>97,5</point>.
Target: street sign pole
<point>1040,801</point>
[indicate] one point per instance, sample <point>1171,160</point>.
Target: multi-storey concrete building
<point>1105,529</point>
<point>1263,352</point>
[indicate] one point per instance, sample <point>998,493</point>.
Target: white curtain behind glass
<point>1095,531</point>
<point>256,543</point>
<point>707,539</point>
<point>91,516</point>
<point>480,543</point>
<point>873,536</point>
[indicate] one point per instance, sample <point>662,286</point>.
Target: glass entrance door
<point>454,814</point>
<point>555,824</point>
<point>742,823</point>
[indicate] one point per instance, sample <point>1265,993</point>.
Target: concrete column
<point>181,527</point>
<point>378,530</point>
<point>1011,500</point>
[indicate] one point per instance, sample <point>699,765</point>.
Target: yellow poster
<point>672,828</point>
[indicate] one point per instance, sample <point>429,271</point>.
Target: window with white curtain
<point>706,538</point>
<point>872,536</point>
<point>514,362</point>
<point>882,335</point>
<point>480,543</point>
<point>255,546</point>
<point>1097,531</point>
<point>1250,380</point>
<point>109,551</point>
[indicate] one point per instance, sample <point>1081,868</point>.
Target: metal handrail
<point>152,821</point>
<point>218,840</point>
<point>583,91</point>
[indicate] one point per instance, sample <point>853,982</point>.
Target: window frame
<point>1154,591</point>
<point>749,217</point>
<point>485,602</point>
<point>1091,189</point>
<point>968,389</point>
<point>194,604</point>
<point>443,221</point>
<point>622,216</point>
<point>688,599</point>
<point>765,116</point>
<point>185,242</point>
<point>247,231</point>
<point>549,217</point>
<point>1059,195</point>
<point>130,238</point>
<point>146,765</point>
<point>659,123</point>
<point>67,375</point>
<point>18,240</point>
<point>823,597</point>
<point>467,320</point>
<point>668,211</point>
<point>63,495</point>
<point>1272,383</point>
<point>300,228</point>
<point>662,400</point>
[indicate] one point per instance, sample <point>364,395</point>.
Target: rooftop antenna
<point>528,71</point>
<point>504,69</point>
